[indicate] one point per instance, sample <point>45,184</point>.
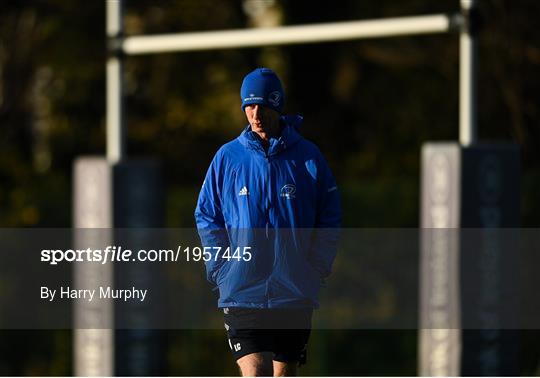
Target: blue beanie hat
<point>262,86</point>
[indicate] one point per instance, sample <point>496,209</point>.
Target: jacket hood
<point>289,136</point>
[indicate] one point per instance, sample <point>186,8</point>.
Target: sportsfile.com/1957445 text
<point>118,254</point>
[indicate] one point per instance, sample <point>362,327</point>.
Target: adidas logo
<point>243,192</point>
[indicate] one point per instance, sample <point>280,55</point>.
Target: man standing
<point>269,209</point>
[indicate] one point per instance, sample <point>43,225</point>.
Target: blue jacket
<point>283,204</point>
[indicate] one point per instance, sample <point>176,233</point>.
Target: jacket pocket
<point>221,272</point>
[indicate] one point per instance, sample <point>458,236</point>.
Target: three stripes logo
<point>243,192</point>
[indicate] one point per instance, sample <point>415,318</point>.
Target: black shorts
<point>284,332</point>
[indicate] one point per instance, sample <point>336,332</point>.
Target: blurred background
<point>369,105</point>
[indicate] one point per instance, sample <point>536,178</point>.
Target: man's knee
<point>256,364</point>
<point>284,369</point>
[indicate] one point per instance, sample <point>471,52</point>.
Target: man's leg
<point>256,364</point>
<point>284,369</point>
<point>250,344</point>
<point>289,351</point>
<point>290,344</point>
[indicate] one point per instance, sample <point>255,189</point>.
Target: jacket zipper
<point>269,196</point>
<point>268,188</point>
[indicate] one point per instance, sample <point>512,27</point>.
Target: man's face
<point>264,121</point>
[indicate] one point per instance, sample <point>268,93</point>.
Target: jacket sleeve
<point>328,221</point>
<point>209,217</point>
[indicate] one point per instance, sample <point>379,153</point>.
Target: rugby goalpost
<point>119,45</point>
<point>94,348</point>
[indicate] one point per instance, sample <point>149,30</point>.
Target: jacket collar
<point>289,136</point>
